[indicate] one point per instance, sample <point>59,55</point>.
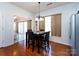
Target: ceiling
<point>34,7</point>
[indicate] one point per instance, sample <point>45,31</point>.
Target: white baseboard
<point>59,42</point>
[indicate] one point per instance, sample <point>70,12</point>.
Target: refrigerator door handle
<point>70,29</point>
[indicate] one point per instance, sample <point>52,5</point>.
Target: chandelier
<point>39,11</point>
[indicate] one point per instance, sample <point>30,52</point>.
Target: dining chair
<point>30,40</point>
<point>26,39</point>
<point>42,41</point>
<point>45,40</point>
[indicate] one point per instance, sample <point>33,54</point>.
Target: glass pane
<point>14,26</point>
<point>48,23</point>
<point>20,27</point>
<point>25,27</point>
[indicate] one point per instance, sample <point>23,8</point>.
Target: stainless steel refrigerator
<point>74,34</point>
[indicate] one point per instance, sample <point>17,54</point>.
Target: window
<point>22,27</point>
<point>14,26</point>
<point>48,23</point>
<point>53,24</point>
<point>42,24</point>
<point>56,25</point>
<point>29,22</point>
<point>25,27</point>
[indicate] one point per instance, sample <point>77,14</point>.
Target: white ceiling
<point>34,7</point>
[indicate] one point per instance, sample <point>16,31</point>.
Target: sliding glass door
<point>22,29</point>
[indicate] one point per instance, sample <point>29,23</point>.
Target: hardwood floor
<point>19,49</point>
<point>60,49</point>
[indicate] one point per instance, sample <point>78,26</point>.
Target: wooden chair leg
<point>33,46</point>
<point>38,47</point>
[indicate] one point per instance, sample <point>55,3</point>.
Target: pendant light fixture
<point>39,11</point>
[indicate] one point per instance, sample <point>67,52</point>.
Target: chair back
<point>29,34</point>
<point>46,35</point>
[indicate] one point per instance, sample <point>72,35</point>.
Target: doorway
<point>21,25</point>
<point>22,29</point>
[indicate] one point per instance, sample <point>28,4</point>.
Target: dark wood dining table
<point>37,37</point>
